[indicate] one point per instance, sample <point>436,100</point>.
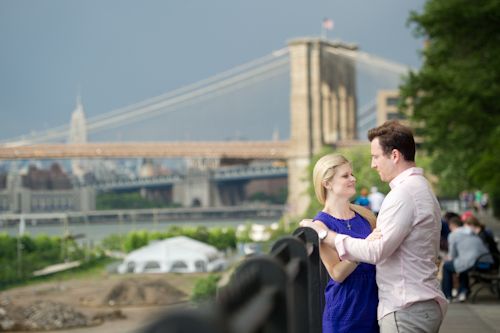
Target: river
<point>95,232</point>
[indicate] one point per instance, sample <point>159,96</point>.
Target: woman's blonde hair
<point>324,170</point>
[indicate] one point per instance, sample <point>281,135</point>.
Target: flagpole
<point>326,25</point>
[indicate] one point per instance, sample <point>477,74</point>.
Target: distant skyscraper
<point>78,128</point>
<point>78,134</point>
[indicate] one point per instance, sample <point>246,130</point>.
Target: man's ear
<point>395,155</point>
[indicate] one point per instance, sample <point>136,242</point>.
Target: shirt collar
<point>404,175</point>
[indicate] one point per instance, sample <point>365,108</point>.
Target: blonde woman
<point>351,293</point>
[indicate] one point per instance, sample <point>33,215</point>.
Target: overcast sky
<point>119,52</point>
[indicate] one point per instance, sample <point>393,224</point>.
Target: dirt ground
<point>139,297</point>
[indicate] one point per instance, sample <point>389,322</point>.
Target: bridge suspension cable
<point>367,114</point>
<point>205,82</point>
<point>194,96</point>
<point>234,78</point>
<point>372,60</point>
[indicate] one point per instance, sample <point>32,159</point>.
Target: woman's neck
<point>339,208</point>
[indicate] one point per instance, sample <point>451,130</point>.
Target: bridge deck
<point>229,149</point>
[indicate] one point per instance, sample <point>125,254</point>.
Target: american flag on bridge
<point>327,24</point>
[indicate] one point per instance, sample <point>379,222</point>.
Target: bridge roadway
<point>221,174</point>
<point>216,149</point>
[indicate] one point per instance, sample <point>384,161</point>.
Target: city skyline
<point>119,55</point>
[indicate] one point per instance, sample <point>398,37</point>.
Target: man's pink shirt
<point>406,255</point>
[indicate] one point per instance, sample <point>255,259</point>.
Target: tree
<point>454,96</point>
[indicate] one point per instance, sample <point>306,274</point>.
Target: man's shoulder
<point>399,193</point>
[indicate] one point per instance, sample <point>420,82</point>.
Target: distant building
<point>387,109</point>
<point>78,134</point>
<point>43,191</point>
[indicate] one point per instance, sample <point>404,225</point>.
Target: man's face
<point>384,164</point>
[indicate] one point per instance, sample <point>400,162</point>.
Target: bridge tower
<point>322,108</point>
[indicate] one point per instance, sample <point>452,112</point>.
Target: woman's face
<point>343,183</point>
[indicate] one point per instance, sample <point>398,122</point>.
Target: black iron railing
<point>275,293</point>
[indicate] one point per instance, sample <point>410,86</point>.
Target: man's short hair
<point>455,221</point>
<point>448,215</point>
<point>393,135</point>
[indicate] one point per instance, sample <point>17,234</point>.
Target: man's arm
<point>395,223</point>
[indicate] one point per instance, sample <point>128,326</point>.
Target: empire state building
<point>78,134</point>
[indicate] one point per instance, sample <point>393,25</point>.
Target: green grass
<point>90,269</point>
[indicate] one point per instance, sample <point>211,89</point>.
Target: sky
<point>118,52</point>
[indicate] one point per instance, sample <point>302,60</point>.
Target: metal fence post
<point>318,277</point>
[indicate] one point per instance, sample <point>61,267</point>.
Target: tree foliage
<point>20,257</point>
<point>132,200</point>
<point>455,95</point>
<point>221,238</point>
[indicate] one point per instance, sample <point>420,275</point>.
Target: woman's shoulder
<point>327,219</point>
<point>366,214</point>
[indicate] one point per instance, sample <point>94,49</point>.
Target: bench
<point>485,275</point>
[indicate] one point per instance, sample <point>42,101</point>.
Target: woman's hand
<point>376,234</point>
<point>310,224</point>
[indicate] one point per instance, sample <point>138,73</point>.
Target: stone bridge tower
<point>322,108</point>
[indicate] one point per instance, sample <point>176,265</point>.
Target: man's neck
<point>403,166</point>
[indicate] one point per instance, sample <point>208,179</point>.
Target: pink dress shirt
<point>410,223</point>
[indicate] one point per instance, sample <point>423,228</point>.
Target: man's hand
<point>376,234</point>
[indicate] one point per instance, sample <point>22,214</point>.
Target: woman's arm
<point>338,269</point>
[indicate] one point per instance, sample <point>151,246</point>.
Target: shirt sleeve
<point>452,247</point>
<point>395,222</point>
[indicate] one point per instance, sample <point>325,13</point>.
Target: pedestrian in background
<point>376,198</point>
<point>362,199</point>
<point>464,247</point>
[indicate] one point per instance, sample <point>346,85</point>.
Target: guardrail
<point>275,293</point>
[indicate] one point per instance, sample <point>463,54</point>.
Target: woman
<point>351,293</point>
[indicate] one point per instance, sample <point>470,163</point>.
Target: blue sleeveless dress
<point>351,306</point>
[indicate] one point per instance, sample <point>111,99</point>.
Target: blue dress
<point>351,306</point>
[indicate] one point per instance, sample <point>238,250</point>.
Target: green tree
<point>454,96</point>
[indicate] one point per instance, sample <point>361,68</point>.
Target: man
<point>376,198</point>
<point>464,249</point>
<point>410,297</point>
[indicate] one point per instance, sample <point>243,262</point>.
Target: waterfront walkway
<point>484,315</point>
<point>481,317</point>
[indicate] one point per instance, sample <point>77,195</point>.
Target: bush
<point>205,288</point>
<point>35,253</point>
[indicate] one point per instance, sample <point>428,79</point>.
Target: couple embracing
<point>383,272</point>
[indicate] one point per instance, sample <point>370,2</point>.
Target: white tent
<point>177,254</point>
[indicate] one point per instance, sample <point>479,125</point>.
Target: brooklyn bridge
<point>323,111</point>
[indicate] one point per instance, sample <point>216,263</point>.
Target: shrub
<point>205,288</point>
